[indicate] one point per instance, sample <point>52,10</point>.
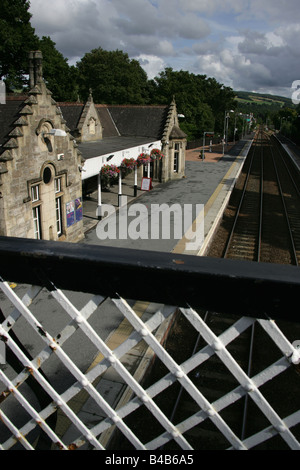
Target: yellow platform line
<point>180,246</point>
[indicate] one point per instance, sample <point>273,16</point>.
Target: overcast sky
<point>251,45</point>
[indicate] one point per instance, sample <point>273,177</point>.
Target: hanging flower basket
<point>127,165</point>
<point>109,175</point>
<point>156,154</point>
<point>142,159</point>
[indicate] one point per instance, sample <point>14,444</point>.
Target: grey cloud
<point>136,26</point>
<point>273,11</point>
<point>192,27</point>
<point>184,34</point>
<point>281,59</point>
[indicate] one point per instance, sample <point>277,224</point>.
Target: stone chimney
<point>35,68</point>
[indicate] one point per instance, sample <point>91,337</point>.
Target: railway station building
<point>51,152</point>
<point>40,178</point>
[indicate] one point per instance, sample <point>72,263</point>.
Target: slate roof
<point>71,113</point>
<point>124,126</point>
<point>9,113</point>
<point>109,128</point>
<point>126,120</point>
<point>139,121</point>
<point>109,145</point>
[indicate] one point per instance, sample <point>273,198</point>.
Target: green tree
<point>202,100</point>
<point>113,77</point>
<point>61,79</point>
<point>17,38</point>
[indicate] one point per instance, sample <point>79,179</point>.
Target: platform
<point>207,182</point>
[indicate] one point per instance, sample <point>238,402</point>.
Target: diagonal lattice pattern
<point>59,354</point>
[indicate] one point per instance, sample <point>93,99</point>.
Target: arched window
<point>43,131</point>
<point>47,175</point>
<point>48,143</point>
<point>92,126</point>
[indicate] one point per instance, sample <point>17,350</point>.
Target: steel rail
<point>285,211</point>
<point>288,169</point>
<point>252,328</point>
<point>229,240</point>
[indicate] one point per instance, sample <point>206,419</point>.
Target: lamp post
<point>225,136</point>
<point>58,133</point>
<point>148,166</point>
<point>210,134</point>
<point>99,207</point>
<point>135,181</point>
<point>55,133</point>
<point>120,188</point>
<point>231,111</point>
<point>235,129</point>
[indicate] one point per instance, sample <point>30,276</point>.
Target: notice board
<point>146,184</point>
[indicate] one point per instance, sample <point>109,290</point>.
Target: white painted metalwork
<point>54,345</point>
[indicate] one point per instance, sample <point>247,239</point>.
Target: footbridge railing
<point>80,327</point>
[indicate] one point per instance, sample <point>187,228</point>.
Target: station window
<point>58,206</point>
<point>58,216</point>
<point>36,212</point>
<point>57,185</point>
<point>35,193</point>
<point>176,158</point>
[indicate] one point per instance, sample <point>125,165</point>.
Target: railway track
<point>260,224</point>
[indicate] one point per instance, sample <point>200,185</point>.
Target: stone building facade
<point>40,177</point>
<point>173,146</point>
<point>159,123</point>
<point>44,146</point>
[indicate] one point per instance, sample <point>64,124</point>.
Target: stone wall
<point>35,158</point>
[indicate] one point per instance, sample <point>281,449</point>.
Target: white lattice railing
<point>57,362</point>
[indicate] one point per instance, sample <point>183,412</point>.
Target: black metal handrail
<point>221,285</point>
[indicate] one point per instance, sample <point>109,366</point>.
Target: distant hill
<point>262,99</point>
<point>261,105</point>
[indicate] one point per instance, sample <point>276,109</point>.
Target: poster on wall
<point>70,209</point>
<point>78,209</point>
<point>74,211</point>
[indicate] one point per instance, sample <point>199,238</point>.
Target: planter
<point>109,175</point>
